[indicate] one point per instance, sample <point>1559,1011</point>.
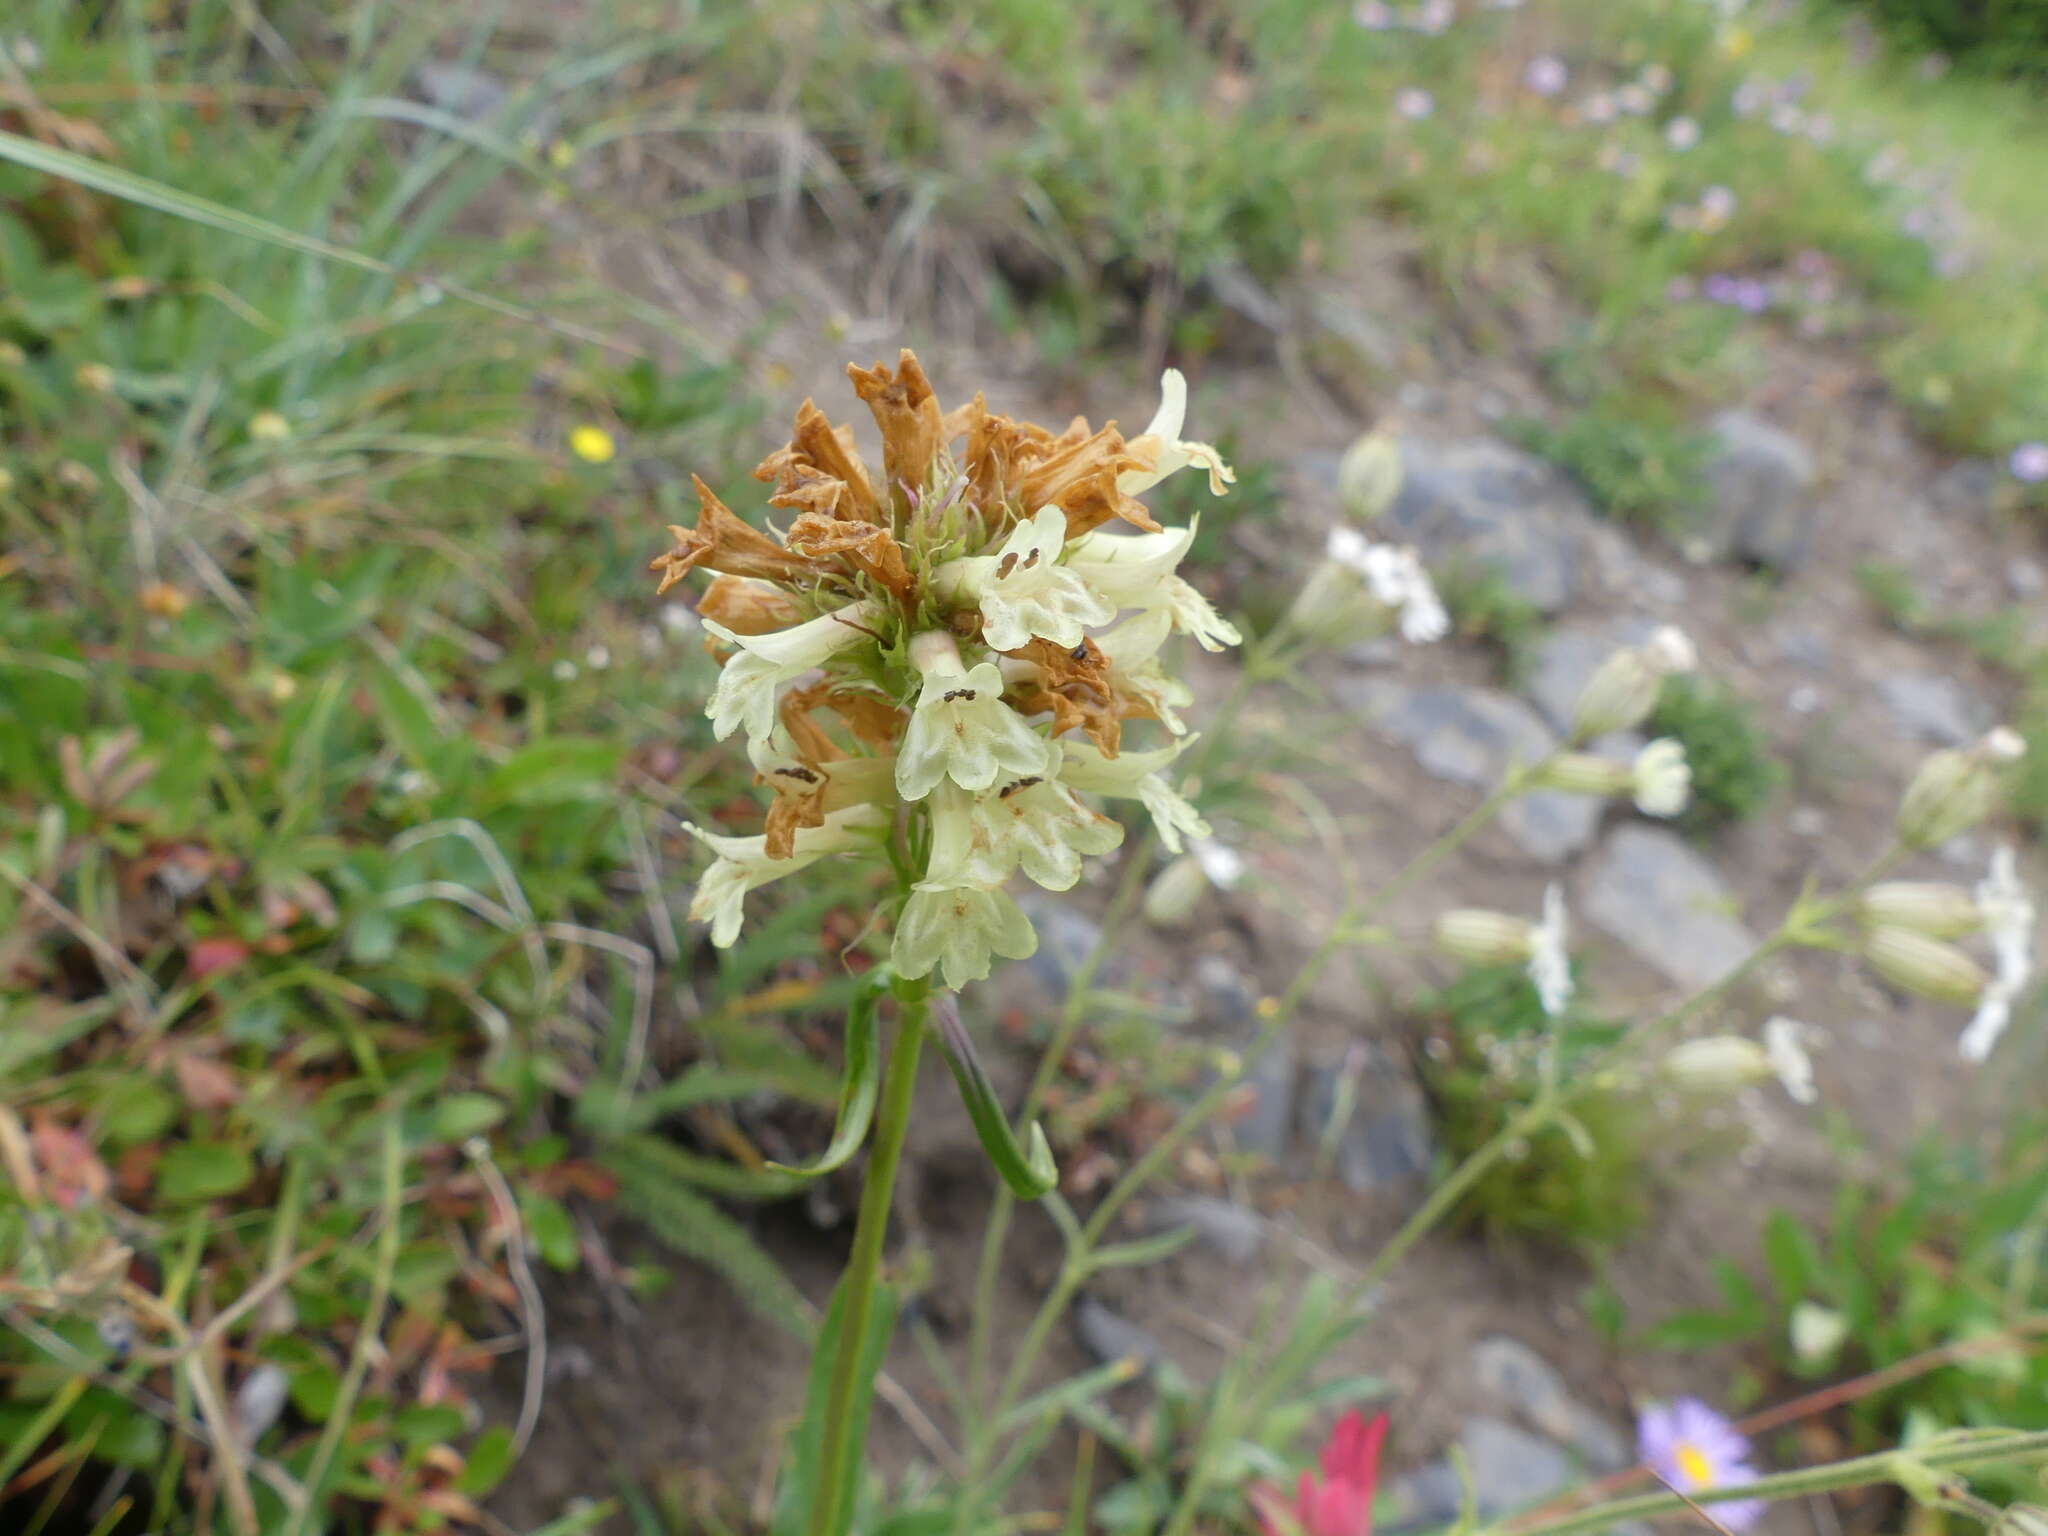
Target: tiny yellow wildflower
<point>269,427</point>
<point>97,377</point>
<point>592,444</point>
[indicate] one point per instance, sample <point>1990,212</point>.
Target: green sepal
<point>1028,1170</point>
<point>860,1086</point>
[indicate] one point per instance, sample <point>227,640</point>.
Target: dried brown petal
<point>722,542</point>
<point>907,412</point>
<point>869,548</point>
<point>749,607</point>
<point>816,445</point>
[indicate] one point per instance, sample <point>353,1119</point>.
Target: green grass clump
<point>1640,467</point>
<point>1944,1255</point>
<point>1734,772</point>
<point>1586,1190</point>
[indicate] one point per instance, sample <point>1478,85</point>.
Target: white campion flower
<point>1023,590</point>
<point>743,864</point>
<point>1136,776</point>
<point>1034,824</point>
<point>1785,1048</point>
<point>1661,779</point>
<point>1170,454</point>
<point>1550,961</point>
<point>1132,650</point>
<point>2008,912</point>
<point>961,729</point>
<point>1395,575</point>
<point>1138,571</point>
<point>745,694</point>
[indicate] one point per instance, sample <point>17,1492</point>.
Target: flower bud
<point>1926,967</point>
<point>1933,907</point>
<point>1621,694</point>
<point>1581,773</point>
<point>1333,607</point>
<point>1484,938</point>
<point>1175,892</point>
<point>1956,789</point>
<point>1716,1064</point>
<point>1817,1333</point>
<point>1369,475</point>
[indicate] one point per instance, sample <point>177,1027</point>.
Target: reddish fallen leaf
<point>72,1170</point>
<point>135,1169</point>
<point>205,1083</point>
<point>209,957</point>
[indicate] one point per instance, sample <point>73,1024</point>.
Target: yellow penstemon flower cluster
<point>936,666</point>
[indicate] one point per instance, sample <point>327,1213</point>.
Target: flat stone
<point>1511,1467</point>
<point>1265,1127</point>
<point>1760,481</point>
<point>1232,1230</point>
<point>1652,891</point>
<point>1480,502</point>
<point>1515,1377</point>
<point>1382,1140</point>
<point>1933,708</point>
<point>1471,736</point>
<point>1109,1337</point>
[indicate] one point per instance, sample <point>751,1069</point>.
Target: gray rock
<point>1480,502</point>
<point>1515,1377</point>
<point>1264,1128</point>
<point>1109,1337</point>
<point>1471,736</point>
<point>1760,481</point>
<point>2026,578</point>
<point>1511,1467</point>
<point>1233,1230</point>
<point>1066,937</point>
<point>1806,647</point>
<point>1428,1497</point>
<point>1381,1139</point>
<point>1933,708</point>
<point>1664,901</point>
<point>1225,1002</point>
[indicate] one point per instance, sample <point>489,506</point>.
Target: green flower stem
<point>892,1124</point>
<point>1969,1449</point>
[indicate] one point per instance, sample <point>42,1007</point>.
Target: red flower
<point>1341,1503</point>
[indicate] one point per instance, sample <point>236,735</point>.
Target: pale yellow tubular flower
<point>747,684</point>
<point>1162,439</point>
<point>1023,590</point>
<point>1136,776</point>
<point>1138,571</point>
<point>961,729</point>
<point>743,864</point>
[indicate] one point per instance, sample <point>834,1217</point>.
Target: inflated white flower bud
<point>1621,694</point>
<point>1937,908</point>
<point>1369,476</point>
<point>1956,789</point>
<point>1716,1064</point>
<point>1926,967</point>
<point>1480,937</point>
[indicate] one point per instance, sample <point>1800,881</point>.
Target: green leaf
<point>1145,1250</point>
<point>462,1115</point>
<point>553,1233</point>
<point>135,1109</point>
<point>1028,1170</point>
<point>423,1425</point>
<point>1793,1259</point>
<point>423,1269</point>
<point>861,1084</point>
<point>692,1225</point>
<point>807,1478</point>
<point>560,771</point>
<point>203,1170</point>
<point>487,1463</point>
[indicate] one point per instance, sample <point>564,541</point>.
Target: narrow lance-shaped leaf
<point>858,1089</point>
<point>1028,1170</point>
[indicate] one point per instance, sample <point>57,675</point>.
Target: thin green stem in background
<point>892,1124</point>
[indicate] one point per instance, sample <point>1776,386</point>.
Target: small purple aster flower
<point>1694,1449</point>
<point>1546,75</point>
<point>1374,16</point>
<point>2029,462</point>
<point>1720,288</point>
<point>1752,296</point>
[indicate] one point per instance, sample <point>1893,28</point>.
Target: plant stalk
<point>892,1124</point>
